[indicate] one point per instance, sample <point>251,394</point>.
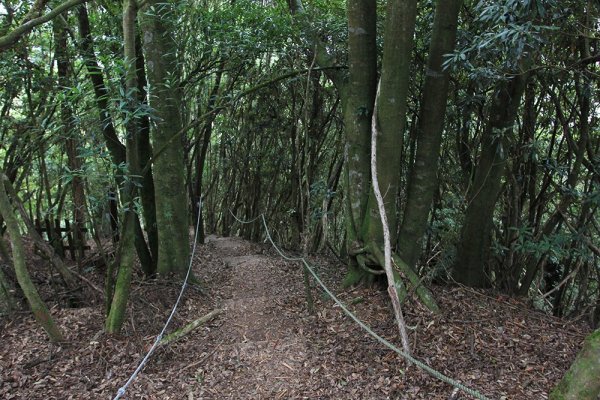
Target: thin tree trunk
<point>124,259</point>
<point>144,149</point>
<point>39,309</point>
<point>201,153</point>
<point>389,272</point>
<point>63,67</point>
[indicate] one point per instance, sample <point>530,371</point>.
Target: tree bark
<point>358,110</point>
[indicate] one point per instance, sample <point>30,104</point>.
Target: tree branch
<point>8,40</point>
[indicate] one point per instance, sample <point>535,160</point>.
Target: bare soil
<point>266,345</point>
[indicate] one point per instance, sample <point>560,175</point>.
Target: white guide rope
<point>367,328</point>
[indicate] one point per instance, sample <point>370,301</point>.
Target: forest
<point>300,199</point>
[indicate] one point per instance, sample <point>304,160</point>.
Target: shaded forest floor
<point>266,346</point>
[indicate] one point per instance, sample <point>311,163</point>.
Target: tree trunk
<point>144,149</point>
<point>124,259</point>
<point>201,152</point>
<point>423,177</point>
<point>39,309</point>
<point>476,234</point>
<point>124,263</point>
<point>581,380</point>
<point>358,109</point>
<point>395,82</point>
<point>63,67</point>
<point>169,165</point>
<point>113,144</point>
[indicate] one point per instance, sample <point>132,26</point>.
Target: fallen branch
<point>179,333</point>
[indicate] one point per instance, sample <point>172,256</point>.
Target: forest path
<point>265,345</point>
<point>263,348</point>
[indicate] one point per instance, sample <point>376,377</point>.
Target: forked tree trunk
<point>364,237</point>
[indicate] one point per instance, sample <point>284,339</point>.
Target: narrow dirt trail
<point>262,342</point>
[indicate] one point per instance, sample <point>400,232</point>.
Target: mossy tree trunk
<point>125,255</point>
<point>156,23</point>
<point>39,309</point>
<point>582,380</point>
<point>119,295</point>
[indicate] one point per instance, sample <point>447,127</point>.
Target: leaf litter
<point>267,346</point>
